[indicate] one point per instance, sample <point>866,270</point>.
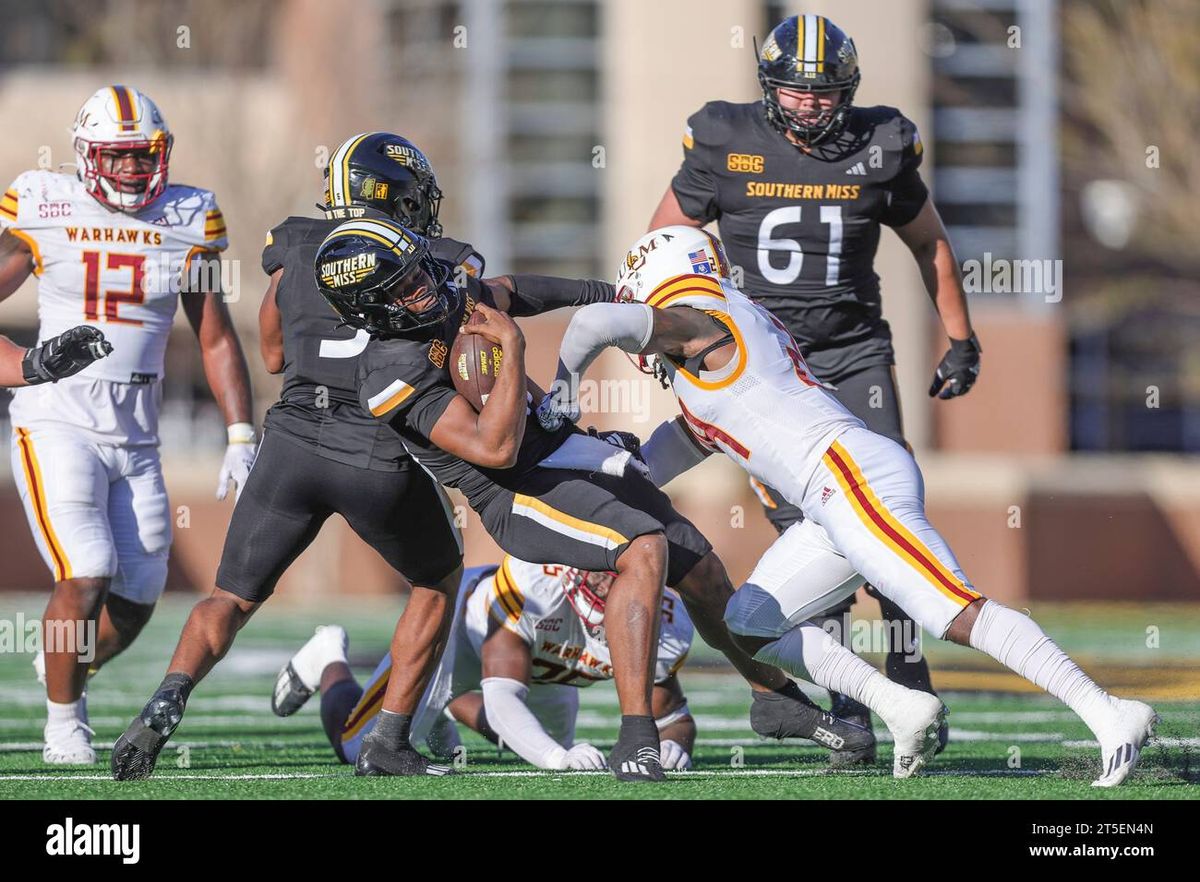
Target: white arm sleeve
<point>627,326</point>
<point>669,452</point>
<point>518,728</point>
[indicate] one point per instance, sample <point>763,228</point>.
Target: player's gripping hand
<point>958,370</point>
<point>495,327</point>
<point>64,355</point>
<point>673,756</point>
<point>582,758</point>
<point>558,407</point>
<point>239,457</point>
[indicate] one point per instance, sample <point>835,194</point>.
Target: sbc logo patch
<point>749,163</point>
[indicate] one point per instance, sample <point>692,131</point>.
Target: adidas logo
<point>857,169</point>
<point>826,492</point>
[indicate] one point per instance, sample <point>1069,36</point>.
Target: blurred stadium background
<point>1056,129</point>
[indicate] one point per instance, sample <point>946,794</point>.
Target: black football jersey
<point>406,385</point>
<point>318,405</point>
<point>803,227</point>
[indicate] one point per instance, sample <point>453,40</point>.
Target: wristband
<point>241,433</point>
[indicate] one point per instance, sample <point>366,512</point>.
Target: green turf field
<point>1006,742</point>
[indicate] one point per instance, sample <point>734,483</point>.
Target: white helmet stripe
<point>810,43</point>
<point>339,171</point>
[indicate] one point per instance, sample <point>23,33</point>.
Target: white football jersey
<point>118,272</point>
<point>529,600</point>
<point>764,409</point>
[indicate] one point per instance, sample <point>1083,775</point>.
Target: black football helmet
<point>808,53</point>
<point>381,278</point>
<point>388,173</point>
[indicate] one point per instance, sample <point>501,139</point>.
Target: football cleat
<point>635,756</point>
<point>853,713</point>
<point>791,714</point>
<point>914,725</point>
<point>300,678</point>
<point>136,751</point>
<point>1121,746</point>
<point>377,760</point>
<point>68,744</point>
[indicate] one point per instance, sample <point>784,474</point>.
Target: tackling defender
<point>800,184</point>
<point>527,637</point>
<point>745,390</point>
<point>543,496</point>
<point>114,244</point>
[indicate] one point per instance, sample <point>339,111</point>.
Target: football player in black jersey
<point>322,454</point>
<point>799,184</point>
<point>544,496</point>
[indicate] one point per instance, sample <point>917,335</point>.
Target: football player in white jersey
<point>526,638</point>
<point>745,390</point>
<point>115,245</point>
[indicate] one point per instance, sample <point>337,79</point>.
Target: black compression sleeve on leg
<point>537,294</point>
<point>336,704</point>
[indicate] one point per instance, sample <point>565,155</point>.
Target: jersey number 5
<point>830,214</point>
<point>136,293</point>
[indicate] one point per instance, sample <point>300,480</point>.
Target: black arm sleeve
<point>695,184</point>
<point>537,294</point>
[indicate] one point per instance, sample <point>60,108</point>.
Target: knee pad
<point>753,612</point>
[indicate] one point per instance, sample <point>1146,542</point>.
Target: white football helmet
<point>123,146</point>
<point>587,592</point>
<point>675,266</point>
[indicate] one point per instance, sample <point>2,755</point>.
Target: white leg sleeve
<point>1019,643</point>
<point>810,653</point>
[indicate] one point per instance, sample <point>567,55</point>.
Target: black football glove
<point>64,355</point>
<point>958,370</point>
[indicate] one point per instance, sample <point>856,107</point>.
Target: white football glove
<point>552,414</point>
<point>583,758</point>
<point>673,756</point>
<point>239,457</point>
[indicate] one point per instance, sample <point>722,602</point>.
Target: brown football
<point>474,362</point>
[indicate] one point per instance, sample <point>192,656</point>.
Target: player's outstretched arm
<point>506,663</point>
<point>270,327</point>
<point>11,356</point>
<point>671,451</point>
<point>926,237</point>
<point>492,437</point>
<point>676,726</point>
<point>228,378</point>
<point>16,263</point>
<point>524,294</point>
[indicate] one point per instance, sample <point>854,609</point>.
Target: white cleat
<point>301,676</point>
<point>1121,744</point>
<point>69,744</point>
<point>914,726</point>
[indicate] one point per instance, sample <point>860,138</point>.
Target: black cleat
<point>290,693</point>
<point>789,713</point>
<point>379,760</point>
<point>850,711</point>
<point>635,756</point>
<point>136,751</point>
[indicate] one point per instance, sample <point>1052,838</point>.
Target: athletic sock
<point>58,714</point>
<point>1019,643</point>
<point>810,653</point>
<point>392,730</point>
<point>336,704</point>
